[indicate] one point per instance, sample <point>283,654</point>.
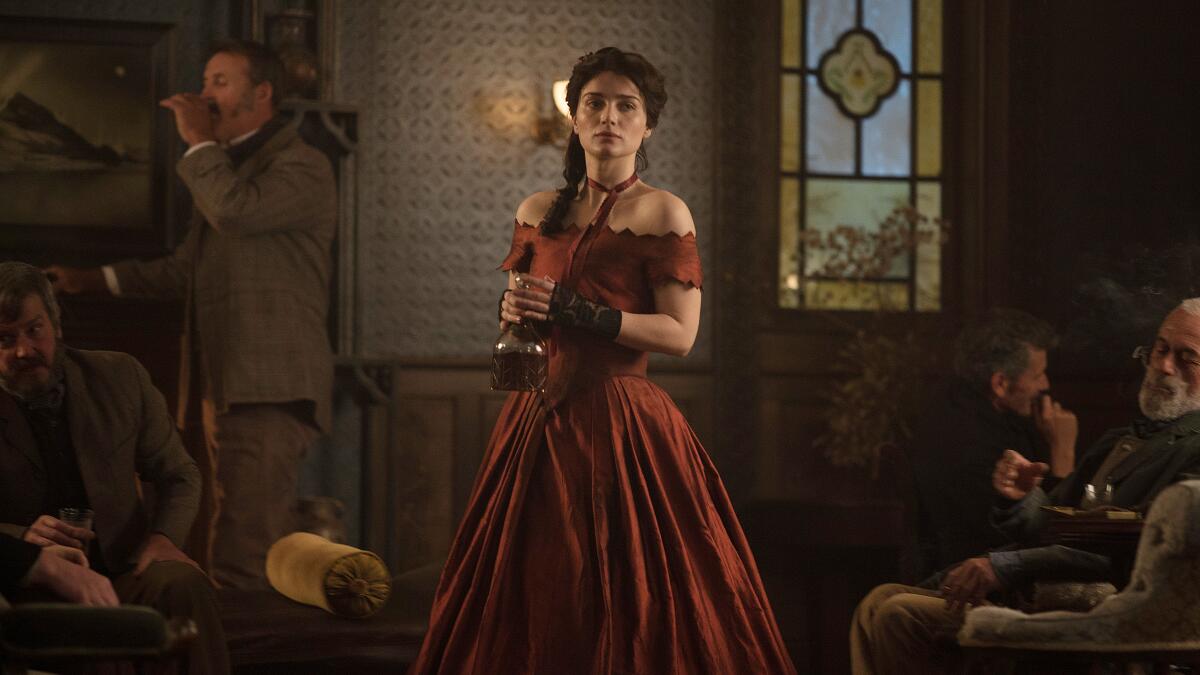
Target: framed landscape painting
<point>84,146</point>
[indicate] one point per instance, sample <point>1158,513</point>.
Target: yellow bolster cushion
<point>340,579</point>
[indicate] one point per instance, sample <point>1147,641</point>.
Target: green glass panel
<point>827,20</point>
<point>862,206</point>
<point>789,123</point>
<point>929,36</point>
<point>789,242</point>
<point>887,136</point>
<point>856,295</point>
<point>891,21</point>
<point>789,11</point>
<point>929,128</point>
<point>929,247</point>
<point>829,136</point>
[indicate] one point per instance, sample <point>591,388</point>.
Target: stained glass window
<point>860,159</point>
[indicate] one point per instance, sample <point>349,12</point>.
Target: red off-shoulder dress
<point>599,539</point>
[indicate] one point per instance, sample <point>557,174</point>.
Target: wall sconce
<point>555,129</point>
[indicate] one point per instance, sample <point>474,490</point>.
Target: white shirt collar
<point>243,137</point>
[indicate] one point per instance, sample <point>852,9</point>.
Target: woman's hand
<point>530,299</point>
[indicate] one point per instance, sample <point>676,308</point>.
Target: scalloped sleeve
<point>675,258</point>
<point>520,254</point>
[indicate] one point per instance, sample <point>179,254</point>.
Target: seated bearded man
<point>905,629</point>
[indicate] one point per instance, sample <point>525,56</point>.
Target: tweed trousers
<point>251,463</point>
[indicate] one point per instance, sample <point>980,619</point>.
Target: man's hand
<point>48,530</point>
<point>1014,476</point>
<point>1060,429</point>
<point>54,569</point>
<point>193,117</point>
<point>157,548</point>
<point>73,280</point>
<point>969,584</point>
<point>71,555</point>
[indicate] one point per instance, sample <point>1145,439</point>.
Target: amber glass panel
<point>929,248</point>
<point>856,295</point>
<point>789,242</point>
<point>789,123</point>
<point>886,137</point>
<point>827,20</point>
<point>789,54</point>
<point>829,138</point>
<point>861,204</point>
<point>929,128</point>
<point>929,37</point>
<point>891,20</point>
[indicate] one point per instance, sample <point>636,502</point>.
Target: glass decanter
<point>519,358</point>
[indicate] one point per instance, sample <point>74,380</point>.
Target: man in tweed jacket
<point>254,271</point>
<point>80,429</point>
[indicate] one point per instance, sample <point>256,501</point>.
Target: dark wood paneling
<point>442,418</point>
<point>149,330</point>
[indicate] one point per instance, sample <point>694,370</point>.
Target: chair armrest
<point>62,631</point>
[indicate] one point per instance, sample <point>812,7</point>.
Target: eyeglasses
<point>1184,357</point>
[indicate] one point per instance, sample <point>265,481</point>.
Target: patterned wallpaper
<point>448,91</point>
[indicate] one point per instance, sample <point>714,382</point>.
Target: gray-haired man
<point>902,629</point>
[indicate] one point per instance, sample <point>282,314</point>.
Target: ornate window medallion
<point>858,73</point>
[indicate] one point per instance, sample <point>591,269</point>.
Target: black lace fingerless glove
<point>568,308</point>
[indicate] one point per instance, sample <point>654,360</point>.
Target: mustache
<point>29,362</point>
<point>1174,383</point>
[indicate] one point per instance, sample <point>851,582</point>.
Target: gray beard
<point>39,389</point>
<point>1160,406</point>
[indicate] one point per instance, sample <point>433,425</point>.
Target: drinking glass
<point>77,517</point>
<point>1096,496</point>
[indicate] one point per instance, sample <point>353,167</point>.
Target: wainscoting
<point>404,456</point>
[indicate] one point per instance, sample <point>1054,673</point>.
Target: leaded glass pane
<point>830,134</point>
<point>856,295</point>
<point>848,243</point>
<point>862,206</point>
<point>886,137</point>
<point>929,127</point>
<point>891,21</point>
<point>789,242</point>
<point>929,247</point>
<point>827,20</point>
<point>790,44</point>
<point>929,36</point>
<point>789,123</point>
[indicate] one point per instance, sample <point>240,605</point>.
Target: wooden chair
<point>1155,619</point>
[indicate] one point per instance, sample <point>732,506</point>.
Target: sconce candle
<point>559,91</point>
<point>555,129</point>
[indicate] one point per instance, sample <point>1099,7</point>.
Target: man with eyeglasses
<point>904,629</point>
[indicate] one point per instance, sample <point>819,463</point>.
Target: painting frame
<point>148,182</point>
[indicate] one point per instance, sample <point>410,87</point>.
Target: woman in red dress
<point>599,539</point>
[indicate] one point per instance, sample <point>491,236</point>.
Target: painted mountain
<point>33,139</point>
<point>50,175</point>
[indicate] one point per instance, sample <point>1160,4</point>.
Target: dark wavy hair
<point>999,342</point>
<point>653,89</point>
<point>18,281</point>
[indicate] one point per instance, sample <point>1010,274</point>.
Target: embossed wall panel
<point>449,90</point>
